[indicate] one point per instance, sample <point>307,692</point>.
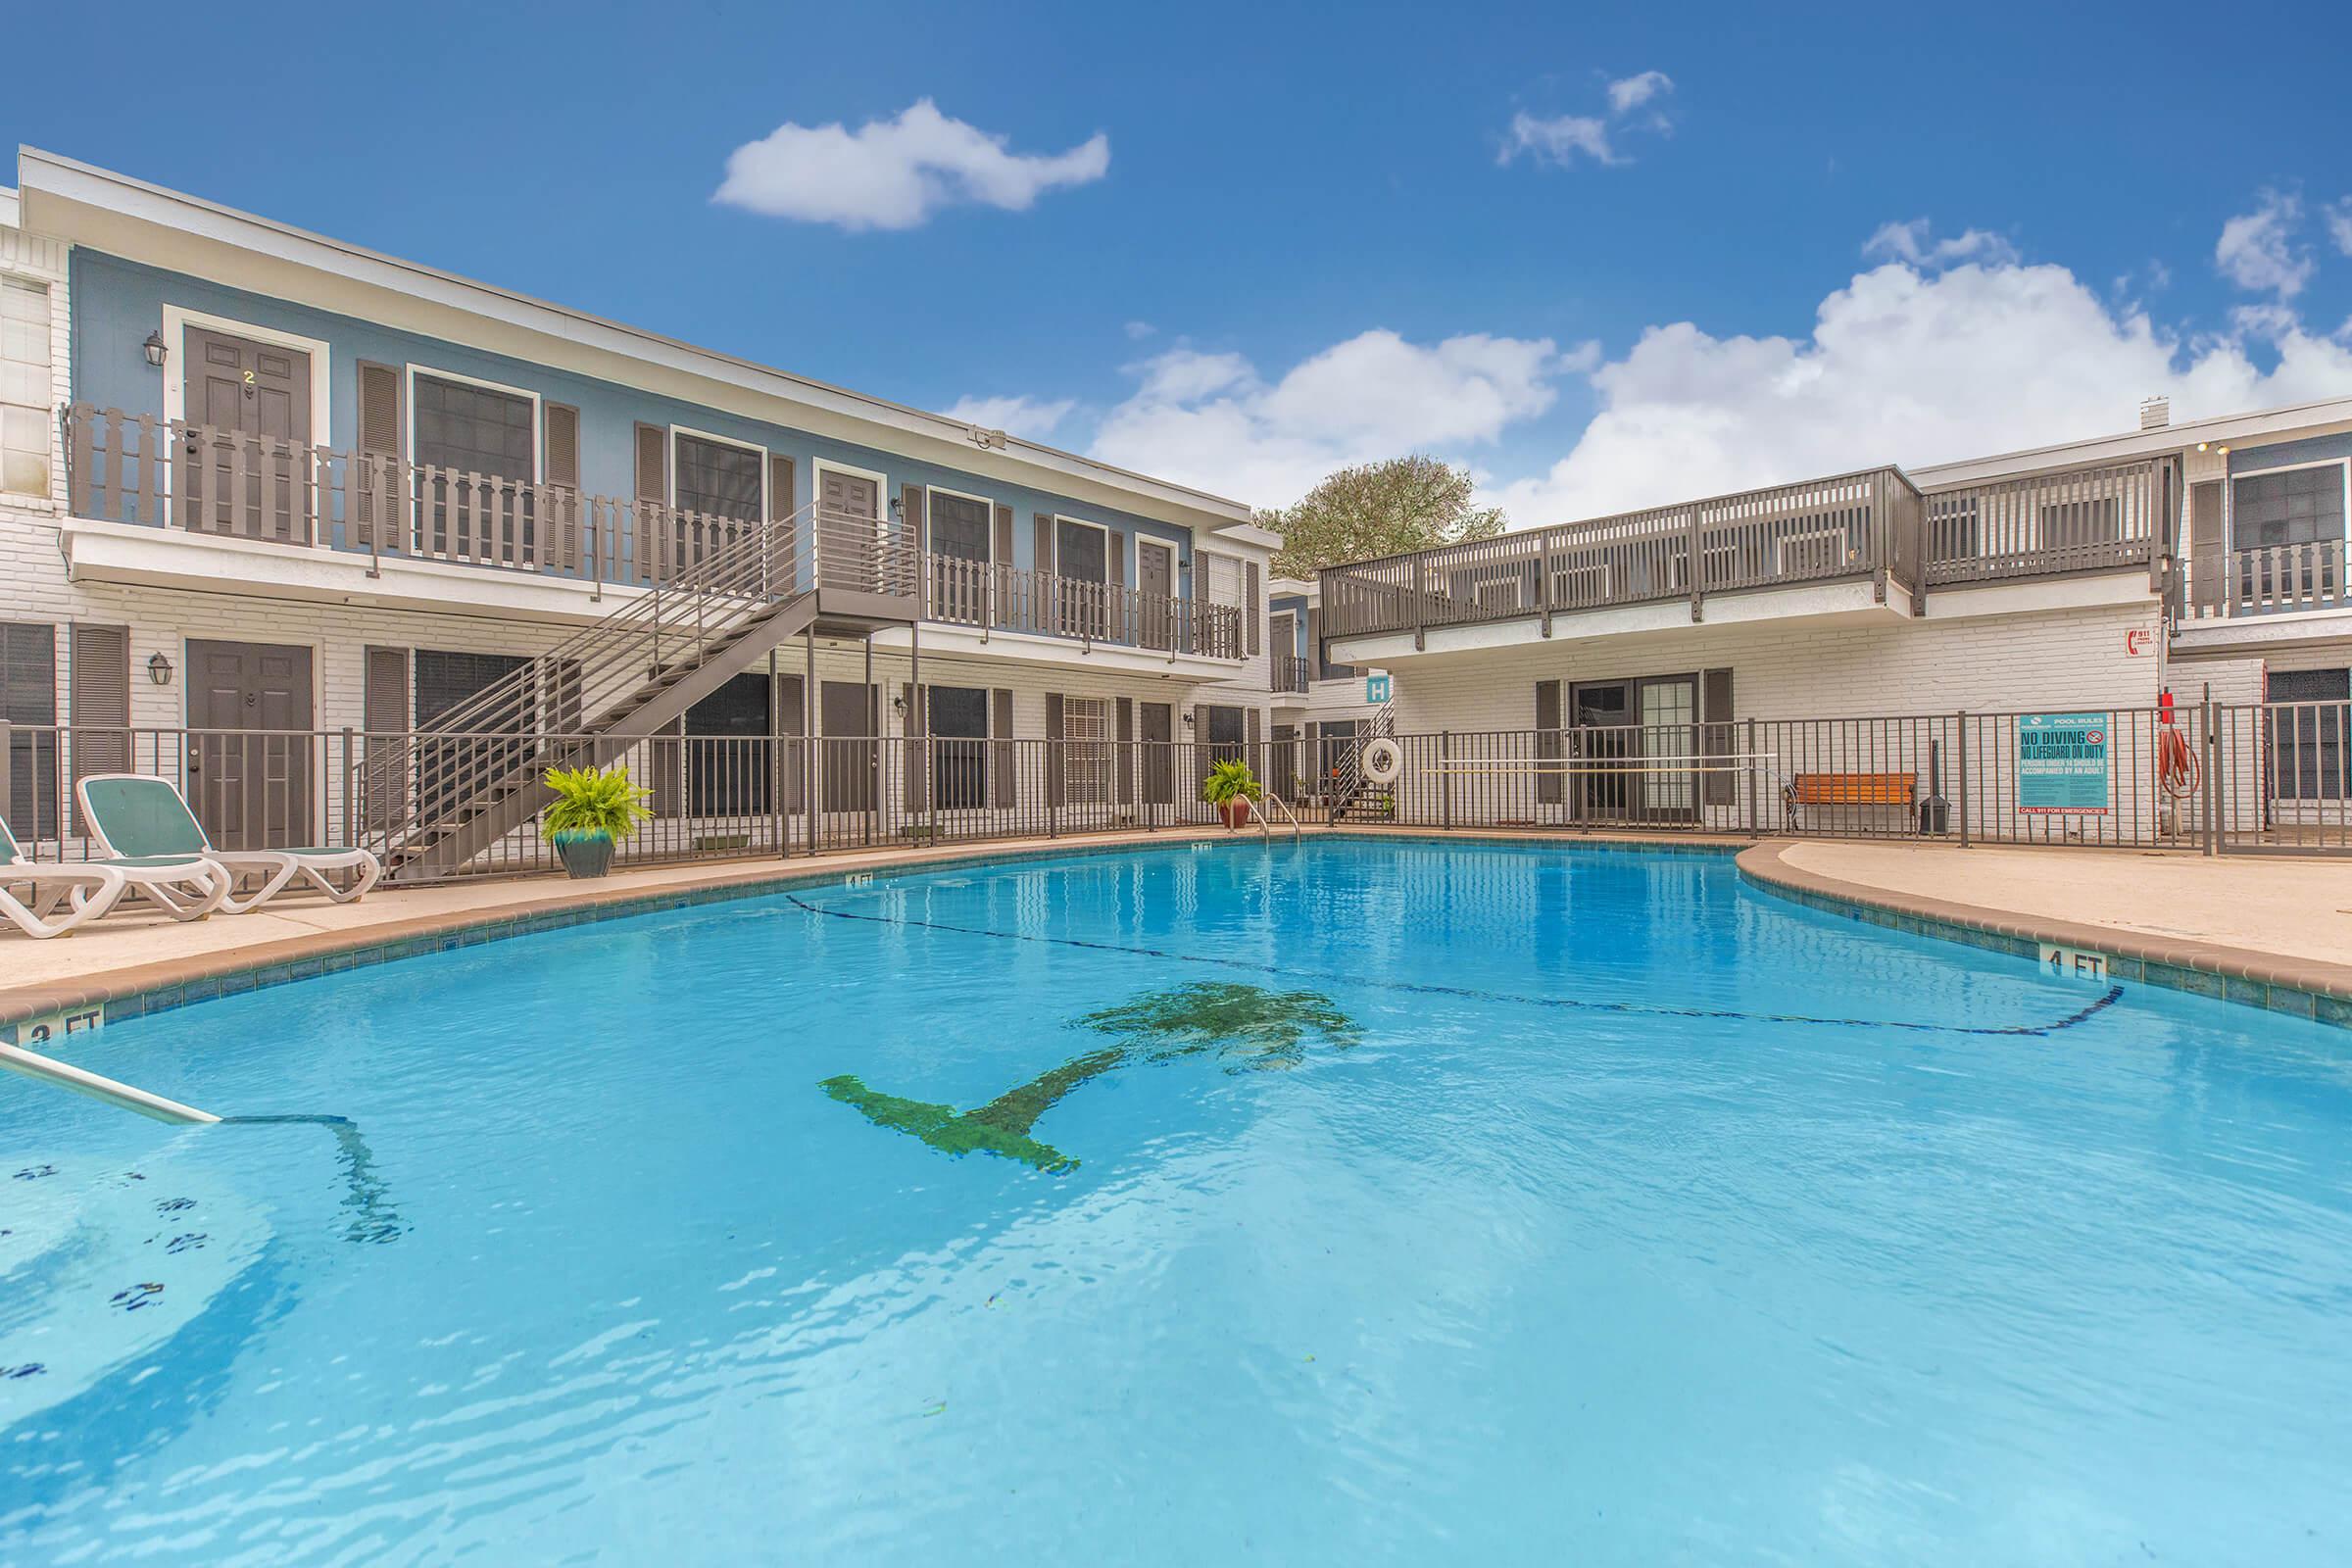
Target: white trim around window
<point>1101,529</point>
<point>988,531</point>
<point>2230,492</point>
<point>179,318</point>
<point>717,440</point>
<point>407,405</point>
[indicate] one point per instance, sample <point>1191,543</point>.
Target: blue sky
<point>1604,260</point>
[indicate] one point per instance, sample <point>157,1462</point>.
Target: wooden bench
<point>1848,789</point>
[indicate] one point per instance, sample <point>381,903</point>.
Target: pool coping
<point>159,984</point>
<point>2300,988</point>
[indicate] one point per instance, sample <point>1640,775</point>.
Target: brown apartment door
<point>245,402</point>
<point>849,522</point>
<point>249,751</point>
<point>1156,729</point>
<point>1155,588</point>
<point>849,755</point>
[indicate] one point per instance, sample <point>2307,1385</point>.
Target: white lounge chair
<point>184,887</point>
<point>138,815</point>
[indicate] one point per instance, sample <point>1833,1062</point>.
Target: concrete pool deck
<point>2252,925</point>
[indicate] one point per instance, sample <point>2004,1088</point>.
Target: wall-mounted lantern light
<point>159,669</point>
<point>1188,718</point>
<point>155,349</point>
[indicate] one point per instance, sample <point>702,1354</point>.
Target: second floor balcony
<point>1874,527</point>
<point>378,514</point>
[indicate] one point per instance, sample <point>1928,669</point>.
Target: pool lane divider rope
<point>2114,993</point>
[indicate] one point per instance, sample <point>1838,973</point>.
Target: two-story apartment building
<point>1801,653</point>
<point>258,479</point>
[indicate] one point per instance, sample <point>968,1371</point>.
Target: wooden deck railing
<point>2089,520</point>
<point>977,593</point>
<point>1864,525</point>
<point>2273,580</point>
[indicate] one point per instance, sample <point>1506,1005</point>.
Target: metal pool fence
<point>2220,778</point>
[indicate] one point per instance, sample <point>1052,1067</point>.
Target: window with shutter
<point>28,696</point>
<point>563,445</point>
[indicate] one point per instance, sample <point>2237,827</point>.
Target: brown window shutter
<point>1118,556</point>
<point>1003,536</point>
<point>98,705</point>
<point>1549,783</point>
<point>1251,610</point>
<point>1054,742</point>
<point>379,410</point>
<point>1043,564</point>
<point>1254,736</point>
<point>917,725</point>
<point>2205,568</point>
<point>378,485</point>
<point>1715,720</point>
<point>1004,762</point>
<point>792,754</point>
<point>563,445</point>
<point>912,506</point>
<point>1314,643</point>
<point>781,499</point>
<point>653,462</point>
<point>1123,756</point>
<point>384,715</point>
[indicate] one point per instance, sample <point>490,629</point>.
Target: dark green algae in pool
<point>1250,1026</point>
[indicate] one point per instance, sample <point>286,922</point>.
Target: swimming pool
<point>1358,1201</point>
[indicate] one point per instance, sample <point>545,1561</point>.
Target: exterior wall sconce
<point>159,669</point>
<point>155,349</point>
<point>1188,717</point>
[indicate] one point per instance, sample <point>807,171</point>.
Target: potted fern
<point>1230,787</point>
<point>594,808</point>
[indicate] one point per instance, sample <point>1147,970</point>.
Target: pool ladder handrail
<point>1266,827</point>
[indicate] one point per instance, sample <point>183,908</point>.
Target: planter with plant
<point>594,808</point>
<point>1230,787</point>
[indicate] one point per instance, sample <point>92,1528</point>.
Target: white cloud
<point>1031,419</point>
<point>1557,141</point>
<point>1911,366</point>
<point>1213,421</point>
<point>1628,93</point>
<point>1915,244</point>
<point>2257,250</point>
<point>1137,331</point>
<point>2339,224</point>
<point>895,173</point>
<point>1561,139</point>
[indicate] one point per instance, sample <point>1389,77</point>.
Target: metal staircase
<point>1355,793</point>
<point>476,773</point>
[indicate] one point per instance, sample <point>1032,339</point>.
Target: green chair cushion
<point>142,816</point>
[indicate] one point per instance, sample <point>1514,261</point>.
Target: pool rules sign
<point>2063,762</point>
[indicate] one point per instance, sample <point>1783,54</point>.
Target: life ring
<point>1384,761</point>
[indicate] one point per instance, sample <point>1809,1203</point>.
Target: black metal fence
<point>2221,778</point>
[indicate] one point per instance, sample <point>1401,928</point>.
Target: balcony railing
<point>1289,673</point>
<point>977,593</point>
<point>1866,525</point>
<point>2090,519</point>
<point>2275,580</point>
<point>137,469</point>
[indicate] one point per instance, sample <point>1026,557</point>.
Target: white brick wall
<point>2048,660</point>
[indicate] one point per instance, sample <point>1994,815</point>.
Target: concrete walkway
<point>2287,909</point>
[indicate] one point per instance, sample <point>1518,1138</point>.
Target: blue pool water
<point>1507,1204</point>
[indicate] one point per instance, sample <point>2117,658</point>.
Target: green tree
<point>1380,509</point>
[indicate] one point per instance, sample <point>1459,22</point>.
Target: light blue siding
<point>117,303</point>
